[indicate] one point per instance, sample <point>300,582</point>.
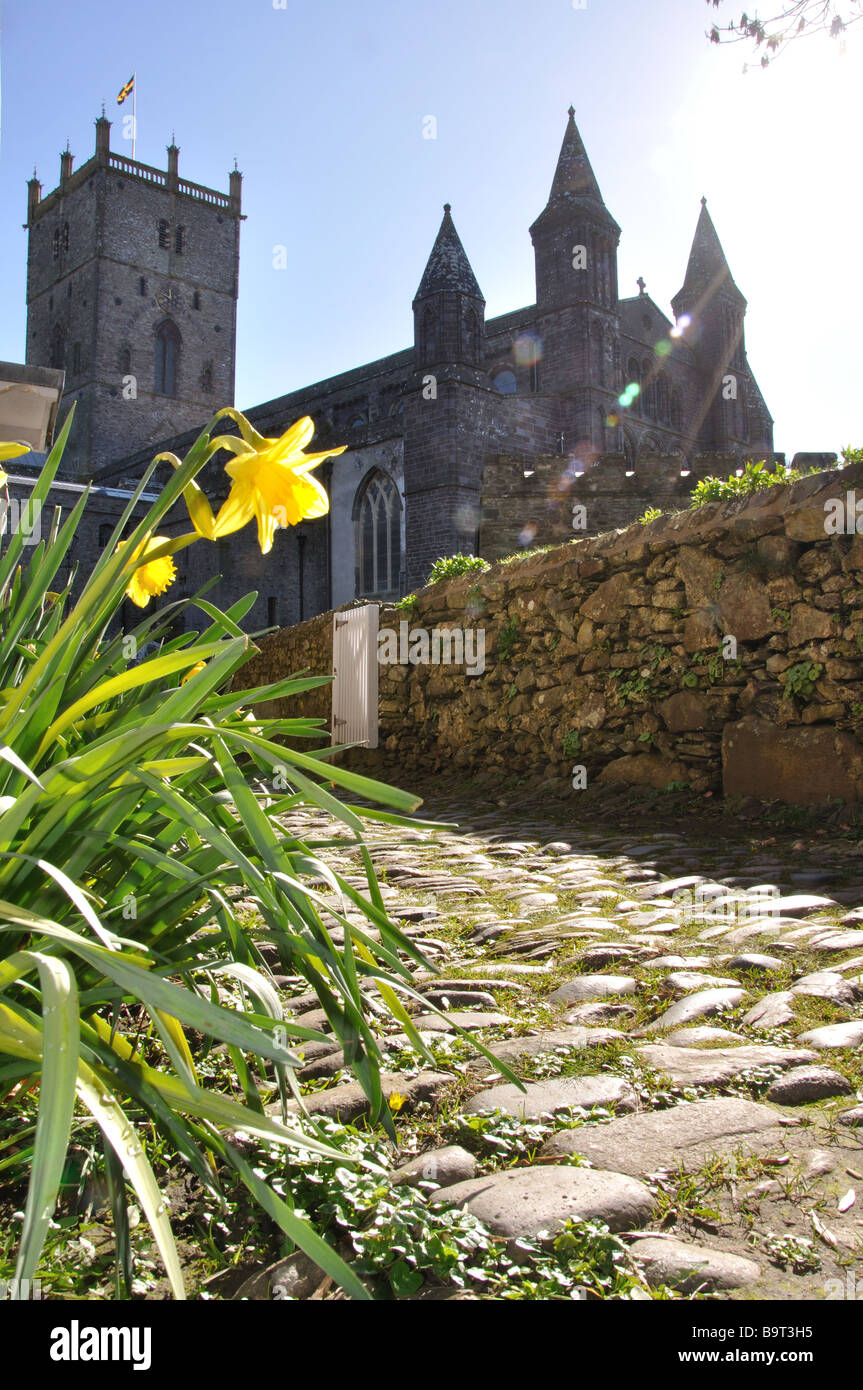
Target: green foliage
<point>800,679</point>
<point>409,604</point>
<point>715,668</point>
<point>781,616</point>
<point>849,455</point>
<point>571,744</point>
<point>507,639</point>
<point>400,1242</point>
<point>754,478</point>
<point>451,566</point>
<point>139,802</point>
<point>650,515</point>
<point>689,679</point>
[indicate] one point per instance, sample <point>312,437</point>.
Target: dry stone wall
<point>720,647</point>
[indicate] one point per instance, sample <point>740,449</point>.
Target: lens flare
<point>526,535</point>
<point>527,350</point>
<point>663,347</point>
<point>681,326</point>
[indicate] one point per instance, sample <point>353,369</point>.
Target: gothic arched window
<point>58,347</point>
<point>598,372</point>
<point>429,336</point>
<point>648,390</point>
<point>167,358</point>
<point>662,406</point>
<point>164,233</point>
<point>378,518</point>
<point>471,336</point>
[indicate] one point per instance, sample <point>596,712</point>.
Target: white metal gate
<point>355,672</point>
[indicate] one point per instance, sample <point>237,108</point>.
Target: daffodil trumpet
<point>270,482</point>
<point>153,569</point>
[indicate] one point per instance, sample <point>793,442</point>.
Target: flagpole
<point>134,111</point>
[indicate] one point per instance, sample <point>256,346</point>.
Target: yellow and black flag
<point>126,91</point>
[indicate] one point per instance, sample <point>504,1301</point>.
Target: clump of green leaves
<point>571,744</point>
<point>451,566</point>
<point>650,515</point>
<point>800,679</point>
<point>399,1241</point>
<point>753,478</point>
<point>409,604</point>
<point>507,639</point>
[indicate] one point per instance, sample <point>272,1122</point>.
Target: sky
<point>325,103</point>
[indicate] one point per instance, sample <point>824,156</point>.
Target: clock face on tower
<point>169,299</point>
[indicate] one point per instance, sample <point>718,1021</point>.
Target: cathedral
<point>132,291</point>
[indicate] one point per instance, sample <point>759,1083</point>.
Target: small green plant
<point>571,744</point>
<point>646,737</point>
<point>511,694</point>
<point>800,679</point>
<point>781,616</point>
<point>689,679</point>
<point>850,455</point>
<point>715,668</point>
<point>717,583</point>
<point>451,566</point>
<point>507,639</point>
<point>630,690</point>
<point>676,787</point>
<point>753,478</point>
<point>410,604</point>
<point>650,515</point>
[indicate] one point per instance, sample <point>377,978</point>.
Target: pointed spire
<point>448,267</point>
<point>573,177</point>
<point>574,186</point>
<point>707,270</point>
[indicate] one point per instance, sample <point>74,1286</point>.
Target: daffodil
<point>10,451</point>
<point>193,671</point>
<point>269,481</point>
<point>151,577</point>
<point>396,1101</point>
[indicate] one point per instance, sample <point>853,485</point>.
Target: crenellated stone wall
<point>719,647</point>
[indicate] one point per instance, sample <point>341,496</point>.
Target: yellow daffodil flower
<point>396,1101</point>
<point>10,451</point>
<point>150,577</point>
<point>193,671</point>
<point>270,482</point>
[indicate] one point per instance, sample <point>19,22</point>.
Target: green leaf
<point>56,1105</point>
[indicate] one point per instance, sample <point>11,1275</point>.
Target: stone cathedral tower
<point>132,279</point>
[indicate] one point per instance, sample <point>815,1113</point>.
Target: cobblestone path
<point>686,1017</point>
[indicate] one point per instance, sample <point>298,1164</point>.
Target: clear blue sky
<point>323,103</point>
